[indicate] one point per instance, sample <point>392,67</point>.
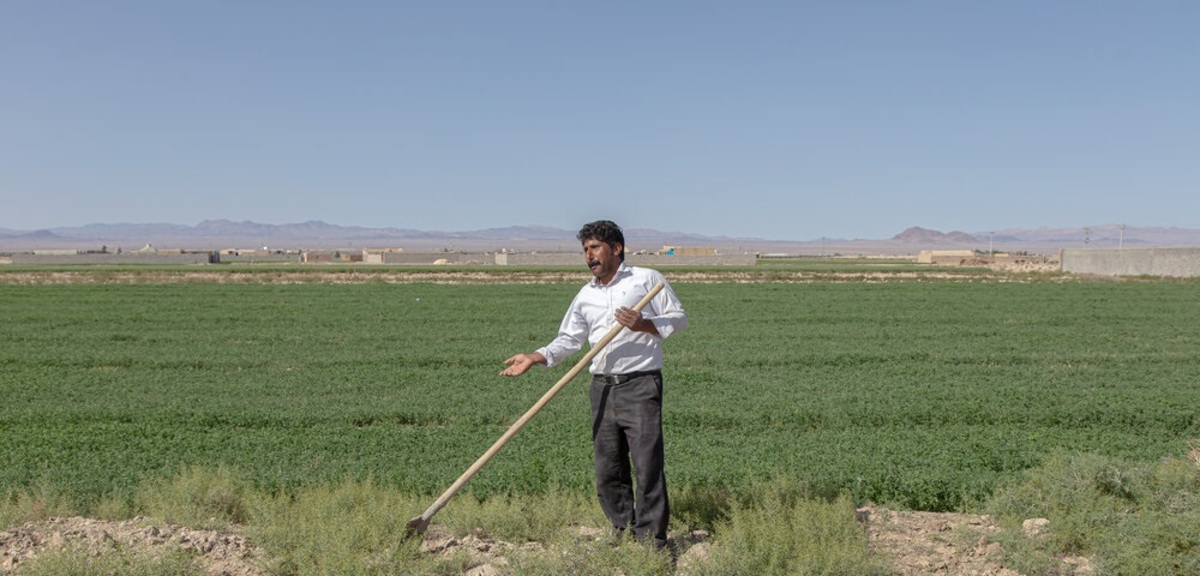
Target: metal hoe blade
<point>416,527</point>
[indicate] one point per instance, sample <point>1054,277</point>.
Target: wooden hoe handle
<point>420,523</point>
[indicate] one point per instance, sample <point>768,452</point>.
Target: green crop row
<point>924,395</point>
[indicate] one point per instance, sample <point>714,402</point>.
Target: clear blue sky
<point>779,120</point>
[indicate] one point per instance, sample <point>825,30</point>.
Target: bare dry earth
<point>913,542</point>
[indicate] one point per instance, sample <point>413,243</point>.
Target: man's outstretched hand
<point>521,363</point>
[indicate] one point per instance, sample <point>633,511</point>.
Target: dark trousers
<point>627,426</point>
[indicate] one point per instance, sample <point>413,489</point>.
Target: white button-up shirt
<point>593,313</point>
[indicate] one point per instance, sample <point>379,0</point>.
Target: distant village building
<point>688,251</point>
<point>944,256</point>
<point>378,255</point>
<point>310,257</point>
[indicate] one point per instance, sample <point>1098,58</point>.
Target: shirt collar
<point>622,270</point>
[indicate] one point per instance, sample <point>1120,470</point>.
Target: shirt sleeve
<point>667,312</point>
<point>572,333</point>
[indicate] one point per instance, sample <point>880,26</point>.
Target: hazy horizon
<point>979,235</point>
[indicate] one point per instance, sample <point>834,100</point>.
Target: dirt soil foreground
<point>914,543</point>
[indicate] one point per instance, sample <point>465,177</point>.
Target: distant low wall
<point>663,260</point>
<point>427,258</point>
<point>265,259</point>
<point>1178,262</point>
<point>539,259</point>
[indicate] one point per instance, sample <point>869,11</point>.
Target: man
<point>626,388</point>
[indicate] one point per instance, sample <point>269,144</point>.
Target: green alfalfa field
<point>916,391</point>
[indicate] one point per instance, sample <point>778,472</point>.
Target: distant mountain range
<point>222,234</point>
<point>315,234</point>
<point>1105,235</point>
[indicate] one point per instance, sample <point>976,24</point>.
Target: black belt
<point>614,379</point>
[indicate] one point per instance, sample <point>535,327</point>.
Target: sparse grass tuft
<point>352,528</point>
<point>42,501</point>
<point>112,508</point>
<point>1129,519</point>
<point>700,507</point>
<point>80,561</point>
<point>198,498</point>
<point>780,530</point>
<point>592,558</point>
<point>524,518</point>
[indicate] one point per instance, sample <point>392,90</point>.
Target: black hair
<point>605,231</point>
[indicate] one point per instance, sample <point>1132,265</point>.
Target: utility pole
<point>1121,242</point>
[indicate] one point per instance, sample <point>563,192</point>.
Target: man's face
<point>602,259</point>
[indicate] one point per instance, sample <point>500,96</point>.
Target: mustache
<point>593,262</point>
